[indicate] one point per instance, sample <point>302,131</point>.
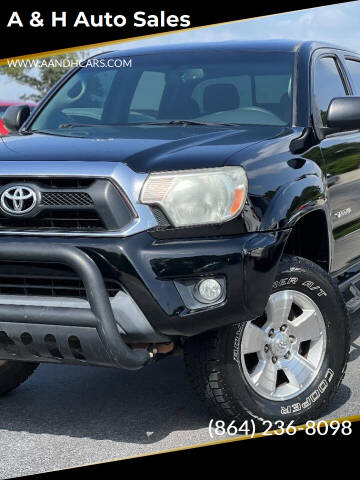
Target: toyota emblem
<point>18,200</point>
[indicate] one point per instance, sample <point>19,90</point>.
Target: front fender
<point>294,200</point>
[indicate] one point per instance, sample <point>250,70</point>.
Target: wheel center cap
<point>280,344</point>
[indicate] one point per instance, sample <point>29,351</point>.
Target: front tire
<point>283,366</point>
<point>13,374</point>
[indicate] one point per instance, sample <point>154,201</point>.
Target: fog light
<point>208,291</point>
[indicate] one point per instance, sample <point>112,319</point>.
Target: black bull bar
<point>95,325</point>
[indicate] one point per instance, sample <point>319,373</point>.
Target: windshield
<point>218,87</point>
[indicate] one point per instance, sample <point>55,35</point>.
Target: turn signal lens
<point>238,201</point>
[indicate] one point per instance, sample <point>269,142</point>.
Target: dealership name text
<point>81,19</point>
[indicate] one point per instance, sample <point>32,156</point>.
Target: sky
<point>337,24</point>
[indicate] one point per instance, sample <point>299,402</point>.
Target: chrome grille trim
<point>125,179</point>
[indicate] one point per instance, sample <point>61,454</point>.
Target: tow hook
<point>152,350</point>
<point>155,348</point>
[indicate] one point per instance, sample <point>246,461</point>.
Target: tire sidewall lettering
<point>305,282</point>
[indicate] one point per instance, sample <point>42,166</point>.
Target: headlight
<point>197,197</point>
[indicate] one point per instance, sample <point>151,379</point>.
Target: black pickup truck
<point>197,199</point>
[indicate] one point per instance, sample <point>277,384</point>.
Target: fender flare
<point>293,201</point>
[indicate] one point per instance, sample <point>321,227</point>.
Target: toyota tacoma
<point>203,200</point>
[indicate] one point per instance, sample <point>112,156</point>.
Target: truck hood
<point>143,148</point>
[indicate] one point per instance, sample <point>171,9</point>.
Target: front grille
<point>66,198</point>
<point>67,205</point>
<point>160,217</point>
<point>51,182</point>
<point>71,220</point>
<point>49,286</point>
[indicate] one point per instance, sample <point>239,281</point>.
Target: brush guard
<point>64,335</point>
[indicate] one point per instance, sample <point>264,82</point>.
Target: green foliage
<point>346,164</point>
<point>345,160</point>
<point>42,78</point>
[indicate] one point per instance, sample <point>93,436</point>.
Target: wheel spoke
<point>278,309</point>
<point>265,376</point>
<point>253,339</point>
<point>275,359</point>
<point>297,369</point>
<point>306,326</point>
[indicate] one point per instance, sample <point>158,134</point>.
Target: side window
<point>149,92</point>
<point>328,84</point>
<point>354,69</point>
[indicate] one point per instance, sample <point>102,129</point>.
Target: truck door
<point>341,152</point>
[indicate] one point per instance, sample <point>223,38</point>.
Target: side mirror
<point>344,113</point>
<point>15,116</point>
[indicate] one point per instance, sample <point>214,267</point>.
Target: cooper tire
<point>228,383</point>
<point>13,374</point>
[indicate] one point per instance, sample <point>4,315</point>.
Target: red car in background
<point>3,106</point>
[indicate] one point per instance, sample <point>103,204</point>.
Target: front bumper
<point>148,270</point>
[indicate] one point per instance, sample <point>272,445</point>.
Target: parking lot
<point>68,416</point>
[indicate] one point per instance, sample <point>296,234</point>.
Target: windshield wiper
<point>192,122</point>
<point>30,132</point>
<point>73,125</point>
<point>170,122</point>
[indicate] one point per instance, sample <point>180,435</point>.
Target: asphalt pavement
<point>68,416</point>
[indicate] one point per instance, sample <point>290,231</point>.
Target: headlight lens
<point>197,197</point>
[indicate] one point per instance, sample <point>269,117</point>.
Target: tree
<point>41,74</point>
